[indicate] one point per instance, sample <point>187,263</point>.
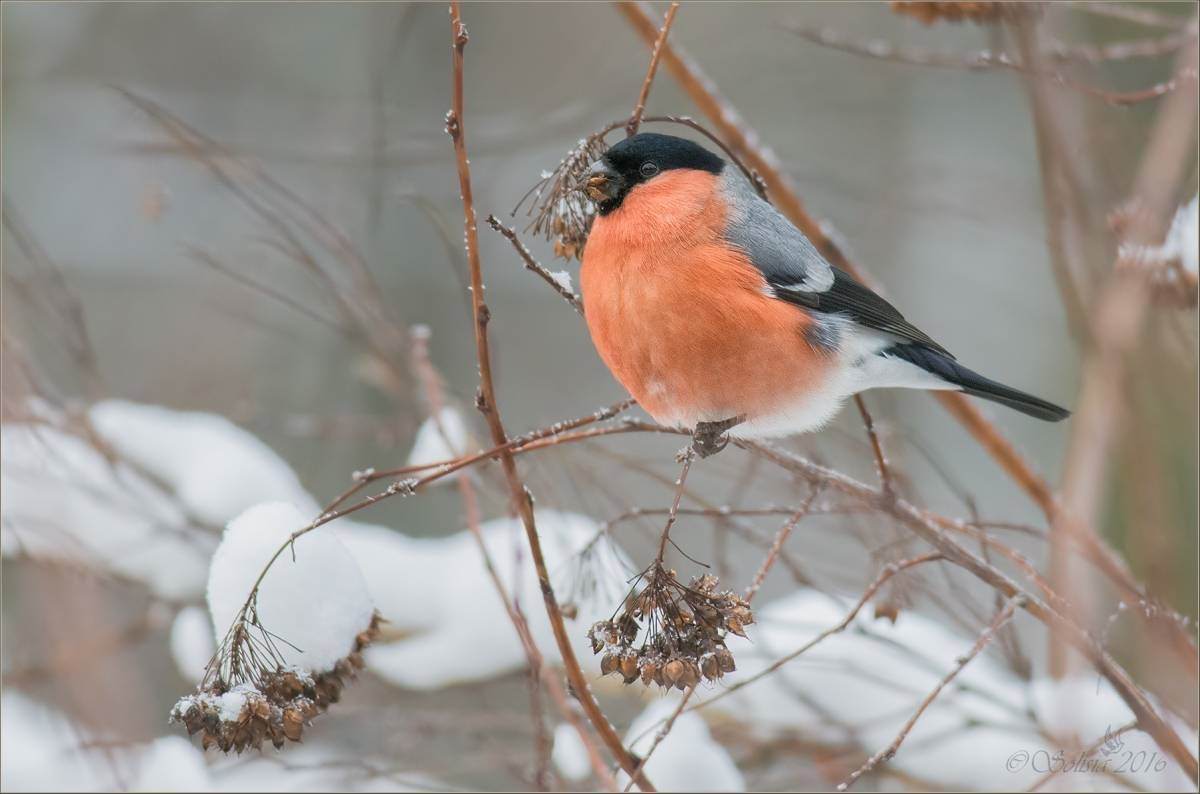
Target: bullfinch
<point>718,314</point>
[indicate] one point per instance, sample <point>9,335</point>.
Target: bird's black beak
<point>602,183</point>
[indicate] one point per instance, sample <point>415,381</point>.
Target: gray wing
<point>797,272</point>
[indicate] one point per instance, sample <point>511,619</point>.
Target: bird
<point>717,314</point>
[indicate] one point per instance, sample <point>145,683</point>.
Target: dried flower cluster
<point>560,210</point>
<point>979,12</point>
<point>685,630</point>
<point>275,706</point>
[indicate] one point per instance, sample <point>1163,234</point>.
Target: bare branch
<point>886,754</point>
<point>635,120</point>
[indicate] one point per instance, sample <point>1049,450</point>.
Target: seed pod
<point>293,724</point>
<point>673,670</point>
<point>628,627</point>
<point>608,664</point>
<point>629,668</point>
<point>734,625</point>
<point>725,660</point>
<point>710,667</point>
<point>690,676</point>
<point>649,672</point>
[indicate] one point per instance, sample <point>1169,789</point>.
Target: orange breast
<point>682,319</point>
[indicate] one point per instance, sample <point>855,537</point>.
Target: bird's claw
<point>708,445</point>
<point>709,438</point>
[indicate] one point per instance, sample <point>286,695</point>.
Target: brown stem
<point>662,734</point>
<point>539,673</point>
<point>522,501</point>
<point>635,119</point>
<point>687,456</point>
<point>777,546</point>
<point>881,465</point>
<point>533,265</point>
<point>886,754</point>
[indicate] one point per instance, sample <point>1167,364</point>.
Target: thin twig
<point>882,470</point>
<point>635,119</point>
<point>666,729</point>
<point>886,754</point>
<point>687,456</point>
<point>887,573</point>
<point>777,546</point>
<point>533,265</point>
<point>431,380</point>
<point>522,502</point>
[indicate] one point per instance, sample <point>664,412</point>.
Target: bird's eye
<point>648,169</point>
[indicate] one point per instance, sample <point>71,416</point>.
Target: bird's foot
<point>709,438</point>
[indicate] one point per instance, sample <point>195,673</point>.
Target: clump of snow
<point>437,591</point>
<point>191,642</point>
<point>137,518</point>
<point>1180,244</point>
<point>563,279</point>
<point>230,705</point>
<point>317,602</point>
<point>687,759</point>
<point>1184,236</point>
<point>569,755</point>
<point>440,440</point>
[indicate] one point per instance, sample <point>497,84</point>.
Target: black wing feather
<point>798,273</point>
<point>850,298</point>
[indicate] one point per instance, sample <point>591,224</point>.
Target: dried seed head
<point>559,209</point>
<point>681,628</point>
<point>274,706</point>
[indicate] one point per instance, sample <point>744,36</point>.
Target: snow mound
<point>687,759</point>
<point>437,592</point>
<point>317,601</point>
<point>862,684</point>
<point>64,501</point>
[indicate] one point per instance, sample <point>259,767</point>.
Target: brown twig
<point>635,119</point>
<point>880,49</point>
<point>539,675</point>
<point>666,729</point>
<point>686,458</point>
<point>886,754</point>
<point>887,573</point>
<point>534,266</point>
<point>882,470</point>
<point>777,546</point>
<point>521,499</point>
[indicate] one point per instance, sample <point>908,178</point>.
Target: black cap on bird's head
<point>639,159</point>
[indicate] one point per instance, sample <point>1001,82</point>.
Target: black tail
<point>975,384</point>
